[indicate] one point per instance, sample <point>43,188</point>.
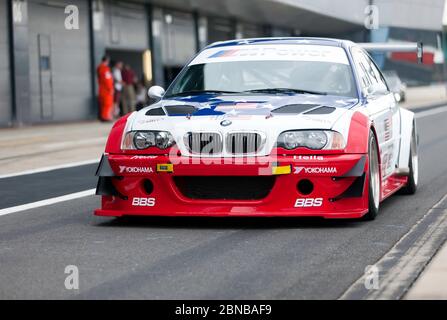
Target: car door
<point>378,107</point>
<point>392,124</point>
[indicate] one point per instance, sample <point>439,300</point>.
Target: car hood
<point>267,114</point>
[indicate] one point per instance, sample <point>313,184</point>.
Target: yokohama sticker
<point>136,169</point>
<point>315,170</point>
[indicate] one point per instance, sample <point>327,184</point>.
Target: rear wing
<point>415,47</point>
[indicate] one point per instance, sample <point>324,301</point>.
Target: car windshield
<point>268,77</point>
<point>282,69</point>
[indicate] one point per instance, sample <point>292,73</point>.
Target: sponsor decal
<point>136,169</point>
<point>165,167</point>
<point>146,121</point>
<point>143,202</point>
<point>308,202</point>
<point>143,157</point>
<point>278,52</point>
<point>315,170</point>
<point>309,158</point>
<point>284,52</point>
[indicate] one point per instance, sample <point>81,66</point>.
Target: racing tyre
<point>411,186</point>
<point>374,179</point>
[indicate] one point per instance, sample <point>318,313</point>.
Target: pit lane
<point>198,258</point>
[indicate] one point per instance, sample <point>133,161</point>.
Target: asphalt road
<point>199,258</point>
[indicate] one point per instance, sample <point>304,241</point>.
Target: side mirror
<point>367,92</point>
<point>397,97</point>
<point>156,92</point>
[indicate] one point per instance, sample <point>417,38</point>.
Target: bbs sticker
<point>308,202</point>
<point>143,202</point>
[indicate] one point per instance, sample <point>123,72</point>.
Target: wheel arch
<point>408,122</point>
<point>113,144</point>
<point>358,136</point>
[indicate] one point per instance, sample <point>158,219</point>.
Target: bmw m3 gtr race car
<point>264,127</point>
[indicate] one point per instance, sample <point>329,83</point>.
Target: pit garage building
<point>47,70</point>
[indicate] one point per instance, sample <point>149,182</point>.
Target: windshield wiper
<point>195,92</point>
<point>285,90</point>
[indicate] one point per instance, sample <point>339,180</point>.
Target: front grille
<point>204,143</point>
<point>244,142</point>
<point>225,187</point>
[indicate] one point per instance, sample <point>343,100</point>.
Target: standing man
<point>106,90</point>
<point>117,78</point>
<point>129,100</point>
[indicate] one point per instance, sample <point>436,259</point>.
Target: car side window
<point>361,67</point>
<point>371,78</point>
<point>380,85</point>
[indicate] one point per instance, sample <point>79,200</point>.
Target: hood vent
<point>155,112</point>
<point>294,108</point>
<point>176,110</point>
<point>322,110</point>
<point>180,110</point>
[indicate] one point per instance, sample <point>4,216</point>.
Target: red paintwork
<point>358,134</point>
<point>428,58</point>
<point>280,201</point>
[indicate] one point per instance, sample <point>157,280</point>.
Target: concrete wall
<point>414,14</point>
<point>5,75</point>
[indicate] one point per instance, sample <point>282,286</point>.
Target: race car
<point>264,127</point>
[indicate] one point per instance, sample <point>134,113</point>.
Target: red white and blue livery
<point>264,127</point>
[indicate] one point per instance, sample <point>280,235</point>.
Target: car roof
<point>284,40</point>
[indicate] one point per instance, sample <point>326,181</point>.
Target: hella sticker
<point>309,158</point>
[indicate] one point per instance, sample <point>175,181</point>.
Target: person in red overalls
<point>106,90</point>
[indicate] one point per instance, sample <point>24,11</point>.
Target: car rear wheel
<point>413,177</point>
<point>374,179</point>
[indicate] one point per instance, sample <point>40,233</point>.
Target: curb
<point>403,264</point>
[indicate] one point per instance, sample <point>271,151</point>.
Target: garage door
<point>60,75</point>
<point>126,26</point>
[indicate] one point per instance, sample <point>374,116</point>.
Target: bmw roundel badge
<point>225,123</point>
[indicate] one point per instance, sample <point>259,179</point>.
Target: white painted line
<point>430,112</point>
<point>50,168</point>
<point>47,202</point>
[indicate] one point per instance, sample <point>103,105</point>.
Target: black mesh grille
<point>225,187</point>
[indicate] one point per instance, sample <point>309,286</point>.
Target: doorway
<point>45,77</point>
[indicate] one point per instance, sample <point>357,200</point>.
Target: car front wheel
<point>373,179</point>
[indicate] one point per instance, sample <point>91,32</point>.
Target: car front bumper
<point>150,185</point>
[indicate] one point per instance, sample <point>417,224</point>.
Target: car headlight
<point>140,140</point>
<point>311,139</point>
